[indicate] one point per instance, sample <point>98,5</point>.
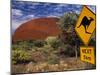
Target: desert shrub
<point>53,42</point>
<point>49,40</point>
<point>19,56</point>
<point>47,49</point>
<point>22,45</point>
<point>67,50</point>
<point>70,51</point>
<point>92,42</point>
<point>53,59</point>
<point>15,46</point>
<point>17,42</point>
<point>28,44</point>
<point>39,43</point>
<point>38,56</point>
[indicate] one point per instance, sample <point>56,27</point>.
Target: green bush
<point>28,45</point>
<point>15,46</point>
<point>53,42</point>
<point>50,39</point>
<point>47,49</point>
<point>22,45</point>
<point>19,56</point>
<point>39,43</point>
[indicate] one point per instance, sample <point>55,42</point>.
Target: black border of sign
<point>11,43</point>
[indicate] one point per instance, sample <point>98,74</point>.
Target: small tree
<point>66,22</point>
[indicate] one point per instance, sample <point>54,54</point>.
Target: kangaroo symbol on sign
<point>86,22</point>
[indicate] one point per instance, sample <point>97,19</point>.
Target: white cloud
<point>16,24</point>
<point>53,16</point>
<point>78,6</point>
<point>58,8</point>
<point>17,12</point>
<point>30,16</point>
<point>77,11</point>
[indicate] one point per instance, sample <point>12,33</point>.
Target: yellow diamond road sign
<point>86,24</point>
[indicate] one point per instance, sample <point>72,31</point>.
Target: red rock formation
<point>39,28</point>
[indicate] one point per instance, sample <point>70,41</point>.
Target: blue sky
<point>23,11</point>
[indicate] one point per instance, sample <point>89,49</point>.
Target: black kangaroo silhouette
<point>86,22</point>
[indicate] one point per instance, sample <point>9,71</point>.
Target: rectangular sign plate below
<point>87,54</point>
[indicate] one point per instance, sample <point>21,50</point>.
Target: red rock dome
<point>39,28</point>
